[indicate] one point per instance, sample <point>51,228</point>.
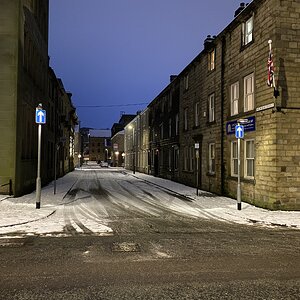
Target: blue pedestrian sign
<point>239,131</point>
<point>40,116</point>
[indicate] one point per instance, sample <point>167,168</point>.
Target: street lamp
<point>117,158</point>
<point>239,134</point>
<point>134,142</point>
<point>79,160</point>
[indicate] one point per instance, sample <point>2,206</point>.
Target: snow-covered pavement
<point>20,214</point>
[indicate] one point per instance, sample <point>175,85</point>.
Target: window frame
<point>234,159</point>
<point>212,158</point>
<point>247,95</point>
<point>197,114</point>
<point>186,82</point>
<point>185,116</point>
<point>247,36</point>
<point>170,127</point>
<point>246,159</point>
<point>211,108</point>
<point>234,99</point>
<point>211,56</point>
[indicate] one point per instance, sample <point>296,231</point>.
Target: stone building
<point>164,132</point>
<point>225,83</point>
<point>270,150</point>
<point>100,145</point>
<point>136,143</point>
<point>117,142</point>
<point>25,81</point>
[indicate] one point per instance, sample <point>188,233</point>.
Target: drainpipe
<point>223,52</point>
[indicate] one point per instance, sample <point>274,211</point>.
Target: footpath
<point>21,210</point>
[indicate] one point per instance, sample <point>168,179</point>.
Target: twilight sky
<point>115,53</point>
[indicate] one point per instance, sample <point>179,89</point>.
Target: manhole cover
<point>125,247</point>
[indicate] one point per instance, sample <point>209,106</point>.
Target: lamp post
<point>117,158</point>
<point>79,160</point>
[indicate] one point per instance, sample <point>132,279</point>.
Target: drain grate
<point>125,247</point>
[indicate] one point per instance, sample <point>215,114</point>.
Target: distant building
<point>100,145</point>
<point>117,142</point>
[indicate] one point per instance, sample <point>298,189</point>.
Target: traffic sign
<point>40,116</point>
<point>239,131</point>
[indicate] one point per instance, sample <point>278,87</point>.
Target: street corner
<point>14,214</point>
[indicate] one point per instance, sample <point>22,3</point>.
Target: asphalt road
<point>162,247</point>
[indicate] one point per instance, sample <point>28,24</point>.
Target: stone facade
<point>225,83</point>
<point>25,81</point>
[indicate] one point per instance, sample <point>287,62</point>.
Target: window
<point>234,159</point>
<point>247,31</point>
<point>170,158</point>
<point>249,92</point>
<point>176,124</point>
<point>176,158</point>
<point>211,158</point>
<point>161,127</point>
<point>211,60</point>
<point>185,119</point>
<point>191,158</point>
<point>186,82</point>
<point>234,98</point>
<point>170,127</point>
<point>249,159</point>
<point>197,114</point>
<point>211,108</point>
<point>186,158</point>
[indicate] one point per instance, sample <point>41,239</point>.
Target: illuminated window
<point>249,92</point>
<point>234,159</point>
<point>234,99</point>
<point>211,108</point>
<point>212,60</point>
<point>247,31</point>
<point>249,159</point>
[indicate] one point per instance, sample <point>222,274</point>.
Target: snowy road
<point>110,201</point>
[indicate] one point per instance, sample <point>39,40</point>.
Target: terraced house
<point>225,83</point>
<point>25,81</point>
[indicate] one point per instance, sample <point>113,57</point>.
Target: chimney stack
<point>240,9</point>
<point>209,41</point>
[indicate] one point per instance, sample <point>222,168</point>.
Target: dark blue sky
<point>121,52</point>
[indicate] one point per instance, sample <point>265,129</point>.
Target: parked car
<point>104,164</point>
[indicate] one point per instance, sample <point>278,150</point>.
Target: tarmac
<point>22,210</point>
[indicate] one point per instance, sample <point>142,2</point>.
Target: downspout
<point>223,52</point>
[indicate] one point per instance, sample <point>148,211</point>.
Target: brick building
<point>227,82</point>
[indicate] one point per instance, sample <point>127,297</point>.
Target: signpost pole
<point>40,118</point>
<point>239,204</point>
<point>38,179</point>
<point>239,134</point>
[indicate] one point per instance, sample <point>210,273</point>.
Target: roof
<point>100,133</point>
